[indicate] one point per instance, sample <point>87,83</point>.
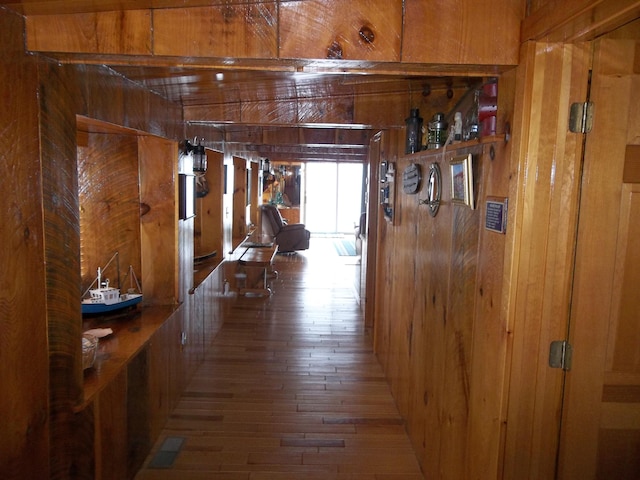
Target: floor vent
<point>168,453</point>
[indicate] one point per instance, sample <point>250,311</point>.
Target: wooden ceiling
<point>284,109</point>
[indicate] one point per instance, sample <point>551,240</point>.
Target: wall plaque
<point>496,214</point>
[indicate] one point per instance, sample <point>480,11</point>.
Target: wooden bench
<point>250,266</point>
<point>260,258</point>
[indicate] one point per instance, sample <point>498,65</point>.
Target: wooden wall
<point>67,91</point>
<point>454,344</point>
<point>464,335</point>
<point>23,303</point>
<point>54,431</point>
<point>440,327</point>
<point>378,30</point>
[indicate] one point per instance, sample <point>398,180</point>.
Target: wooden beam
<point>297,152</point>
<point>577,20</point>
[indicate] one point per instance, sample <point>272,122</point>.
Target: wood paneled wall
<point>440,326</point>
<point>23,302</point>
<point>44,313</point>
<point>108,190</point>
<point>208,221</point>
<point>362,30</point>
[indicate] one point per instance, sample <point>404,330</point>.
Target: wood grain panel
<point>429,310</point>
<point>365,30</point>
<point>109,207</point>
<point>125,32</point>
<point>460,307</point>
<point>228,112</point>
<point>23,337</point>
<point>466,32</point>
<point>605,259</point>
<point>137,438</point>
<point>239,199</point>
<point>543,209</point>
<point>111,429</point>
<point>63,91</point>
<point>158,380</point>
<point>577,20</point>
<point>318,110</point>
<point>618,453</point>
<point>59,100</point>
<point>208,220</point>
<point>241,31</point>
<point>269,112</point>
<point>490,337</point>
<point>36,7</point>
<point>624,355</point>
<point>160,253</point>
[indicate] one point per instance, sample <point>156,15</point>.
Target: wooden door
<point>600,433</point>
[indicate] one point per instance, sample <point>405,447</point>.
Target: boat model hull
<point>127,300</point>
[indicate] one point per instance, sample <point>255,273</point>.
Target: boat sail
<point>105,298</point>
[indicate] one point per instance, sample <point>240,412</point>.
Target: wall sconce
<point>199,155</point>
<point>266,165</point>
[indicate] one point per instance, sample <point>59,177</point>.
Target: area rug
<point>345,247</point>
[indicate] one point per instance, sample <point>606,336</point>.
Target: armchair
<point>288,237</point>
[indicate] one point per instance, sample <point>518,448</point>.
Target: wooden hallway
<point>289,389</point>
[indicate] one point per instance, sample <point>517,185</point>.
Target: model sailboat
<point>105,298</point>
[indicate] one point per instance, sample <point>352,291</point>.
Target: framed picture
<point>187,196</point>
<point>462,180</point>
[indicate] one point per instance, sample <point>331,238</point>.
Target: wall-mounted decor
<point>496,214</point>
<point>413,132</point>
<point>187,196</point>
<point>434,190</point>
<point>411,178</point>
<point>387,190</point>
<point>198,154</point>
<point>462,180</point>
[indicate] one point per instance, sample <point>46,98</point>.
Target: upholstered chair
<point>288,237</point>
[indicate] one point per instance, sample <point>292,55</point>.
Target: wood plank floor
<point>290,389</point>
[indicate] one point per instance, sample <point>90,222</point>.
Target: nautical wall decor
<point>434,190</point>
<point>411,179</point>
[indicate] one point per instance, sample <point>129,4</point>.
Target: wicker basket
<point>89,349</point>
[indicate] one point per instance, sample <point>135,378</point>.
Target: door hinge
<point>581,117</point>
<point>560,353</point>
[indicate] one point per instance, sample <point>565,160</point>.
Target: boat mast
<point>98,277</point>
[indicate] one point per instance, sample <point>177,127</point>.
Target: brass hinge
<point>581,117</point>
<point>560,353</point>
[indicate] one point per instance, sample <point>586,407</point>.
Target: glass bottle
<point>414,132</point>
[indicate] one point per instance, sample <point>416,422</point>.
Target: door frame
<point>540,258</point>
<point>540,249</point>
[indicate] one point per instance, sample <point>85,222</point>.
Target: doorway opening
<point>333,200</point>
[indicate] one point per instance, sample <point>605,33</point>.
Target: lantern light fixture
<point>199,154</point>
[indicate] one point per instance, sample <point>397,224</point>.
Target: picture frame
<point>461,169</point>
<point>187,196</point>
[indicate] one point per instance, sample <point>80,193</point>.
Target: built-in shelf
<point>203,269</point>
<point>459,145</point>
<point>131,332</point>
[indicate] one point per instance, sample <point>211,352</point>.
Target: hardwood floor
<point>289,389</point>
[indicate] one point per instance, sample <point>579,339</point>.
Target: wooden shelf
<point>130,334</point>
<point>457,146</point>
<point>203,269</point>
